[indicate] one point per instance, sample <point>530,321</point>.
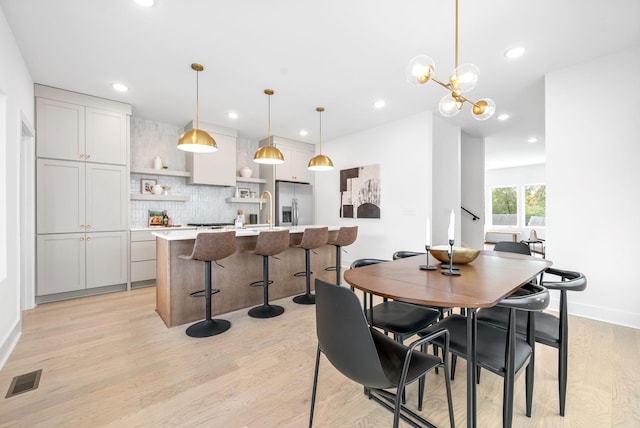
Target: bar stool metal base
<point>305,299</point>
<point>266,311</point>
<point>207,328</point>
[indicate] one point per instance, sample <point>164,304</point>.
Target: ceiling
<point>339,54</point>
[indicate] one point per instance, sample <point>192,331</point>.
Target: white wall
<point>446,180</point>
<point>593,149</point>
<point>472,191</point>
<point>16,87</point>
<point>519,177</point>
<point>403,150</point>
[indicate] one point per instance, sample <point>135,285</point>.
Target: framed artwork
<point>244,192</point>
<point>146,185</point>
<point>360,192</point>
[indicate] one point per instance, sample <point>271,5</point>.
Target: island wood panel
<point>177,278</point>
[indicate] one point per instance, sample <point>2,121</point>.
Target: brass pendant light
<point>268,154</point>
<point>320,162</point>
<point>196,140</point>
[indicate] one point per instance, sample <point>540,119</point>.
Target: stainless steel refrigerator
<point>294,204</point>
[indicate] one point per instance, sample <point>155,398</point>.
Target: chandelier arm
<point>444,85</point>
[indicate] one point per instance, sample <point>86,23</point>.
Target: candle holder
<point>427,266</point>
<point>451,270</point>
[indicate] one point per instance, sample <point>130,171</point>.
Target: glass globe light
<point>483,109</point>
<point>420,69</point>
<point>465,77</point>
<point>448,106</point>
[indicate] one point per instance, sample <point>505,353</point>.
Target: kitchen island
<point>177,278</point>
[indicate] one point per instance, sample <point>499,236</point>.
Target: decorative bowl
<point>461,255</point>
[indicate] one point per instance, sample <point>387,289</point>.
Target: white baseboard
<point>10,342</point>
<point>610,315</point>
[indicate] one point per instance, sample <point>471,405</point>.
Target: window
<point>504,206</point>
<point>535,205</point>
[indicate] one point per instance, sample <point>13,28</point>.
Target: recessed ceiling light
<point>144,3</point>
<point>514,52</point>
<point>232,115</point>
<point>503,116</point>
<point>304,132</point>
<point>379,104</point>
<point>532,140</point>
<point>119,87</point>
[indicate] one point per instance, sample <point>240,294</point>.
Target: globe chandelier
<point>463,79</point>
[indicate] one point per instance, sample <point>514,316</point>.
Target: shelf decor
<point>146,185</point>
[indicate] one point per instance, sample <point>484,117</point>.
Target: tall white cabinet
<point>82,146</point>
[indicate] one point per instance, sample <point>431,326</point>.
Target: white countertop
<point>163,228</point>
<point>171,234</point>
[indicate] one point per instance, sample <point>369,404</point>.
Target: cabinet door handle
<point>82,226</point>
<point>87,155</point>
<point>82,239</point>
<point>80,155</point>
<point>88,226</point>
<point>88,238</point>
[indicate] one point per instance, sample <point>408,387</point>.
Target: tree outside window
<point>504,206</point>
<point>535,197</point>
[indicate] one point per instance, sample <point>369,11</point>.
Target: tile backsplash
<point>206,204</point>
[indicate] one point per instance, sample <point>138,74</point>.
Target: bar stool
<point>269,243</point>
<point>212,246</point>
<point>346,236</point>
<point>312,238</point>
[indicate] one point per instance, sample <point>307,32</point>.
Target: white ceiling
<point>340,54</point>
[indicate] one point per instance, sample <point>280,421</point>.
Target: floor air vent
<point>24,383</point>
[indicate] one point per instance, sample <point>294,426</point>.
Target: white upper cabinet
<point>60,130</point>
<point>296,160</point>
<point>78,127</point>
<point>217,168</point>
<point>105,136</point>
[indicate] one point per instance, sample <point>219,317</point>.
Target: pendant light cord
<point>197,100</point>
<point>456,34</point>
<point>268,119</point>
<point>320,132</point>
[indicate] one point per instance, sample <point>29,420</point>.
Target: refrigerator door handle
<point>294,212</point>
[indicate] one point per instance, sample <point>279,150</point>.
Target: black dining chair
<point>370,358</point>
<point>512,247</point>
<point>500,351</point>
<point>398,318</point>
<point>550,330</point>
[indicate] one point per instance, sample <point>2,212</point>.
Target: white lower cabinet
<point>78,261</point>
<point>143,256</point>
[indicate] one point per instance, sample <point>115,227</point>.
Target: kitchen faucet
<point>270,215</point>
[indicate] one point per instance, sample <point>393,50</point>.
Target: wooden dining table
<point>481,284</point>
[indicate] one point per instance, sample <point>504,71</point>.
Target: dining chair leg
<point>529,386</point>
<point>315,386</point>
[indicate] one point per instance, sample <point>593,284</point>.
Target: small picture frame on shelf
<point>244,192</point>
<point>146,185</point>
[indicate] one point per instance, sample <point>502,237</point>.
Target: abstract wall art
<point>360,192</point>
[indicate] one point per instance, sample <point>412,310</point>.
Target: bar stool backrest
<point>211,246</point>
<point>346,236</point>
<point>314,237</point>
<point>272,242</point>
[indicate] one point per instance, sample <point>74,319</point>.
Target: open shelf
<point>145,197</point>
<point>169,172</point>
<point>251,180</point>
<point>243,200</point>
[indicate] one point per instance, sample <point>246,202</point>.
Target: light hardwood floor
<point>109,361</point>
